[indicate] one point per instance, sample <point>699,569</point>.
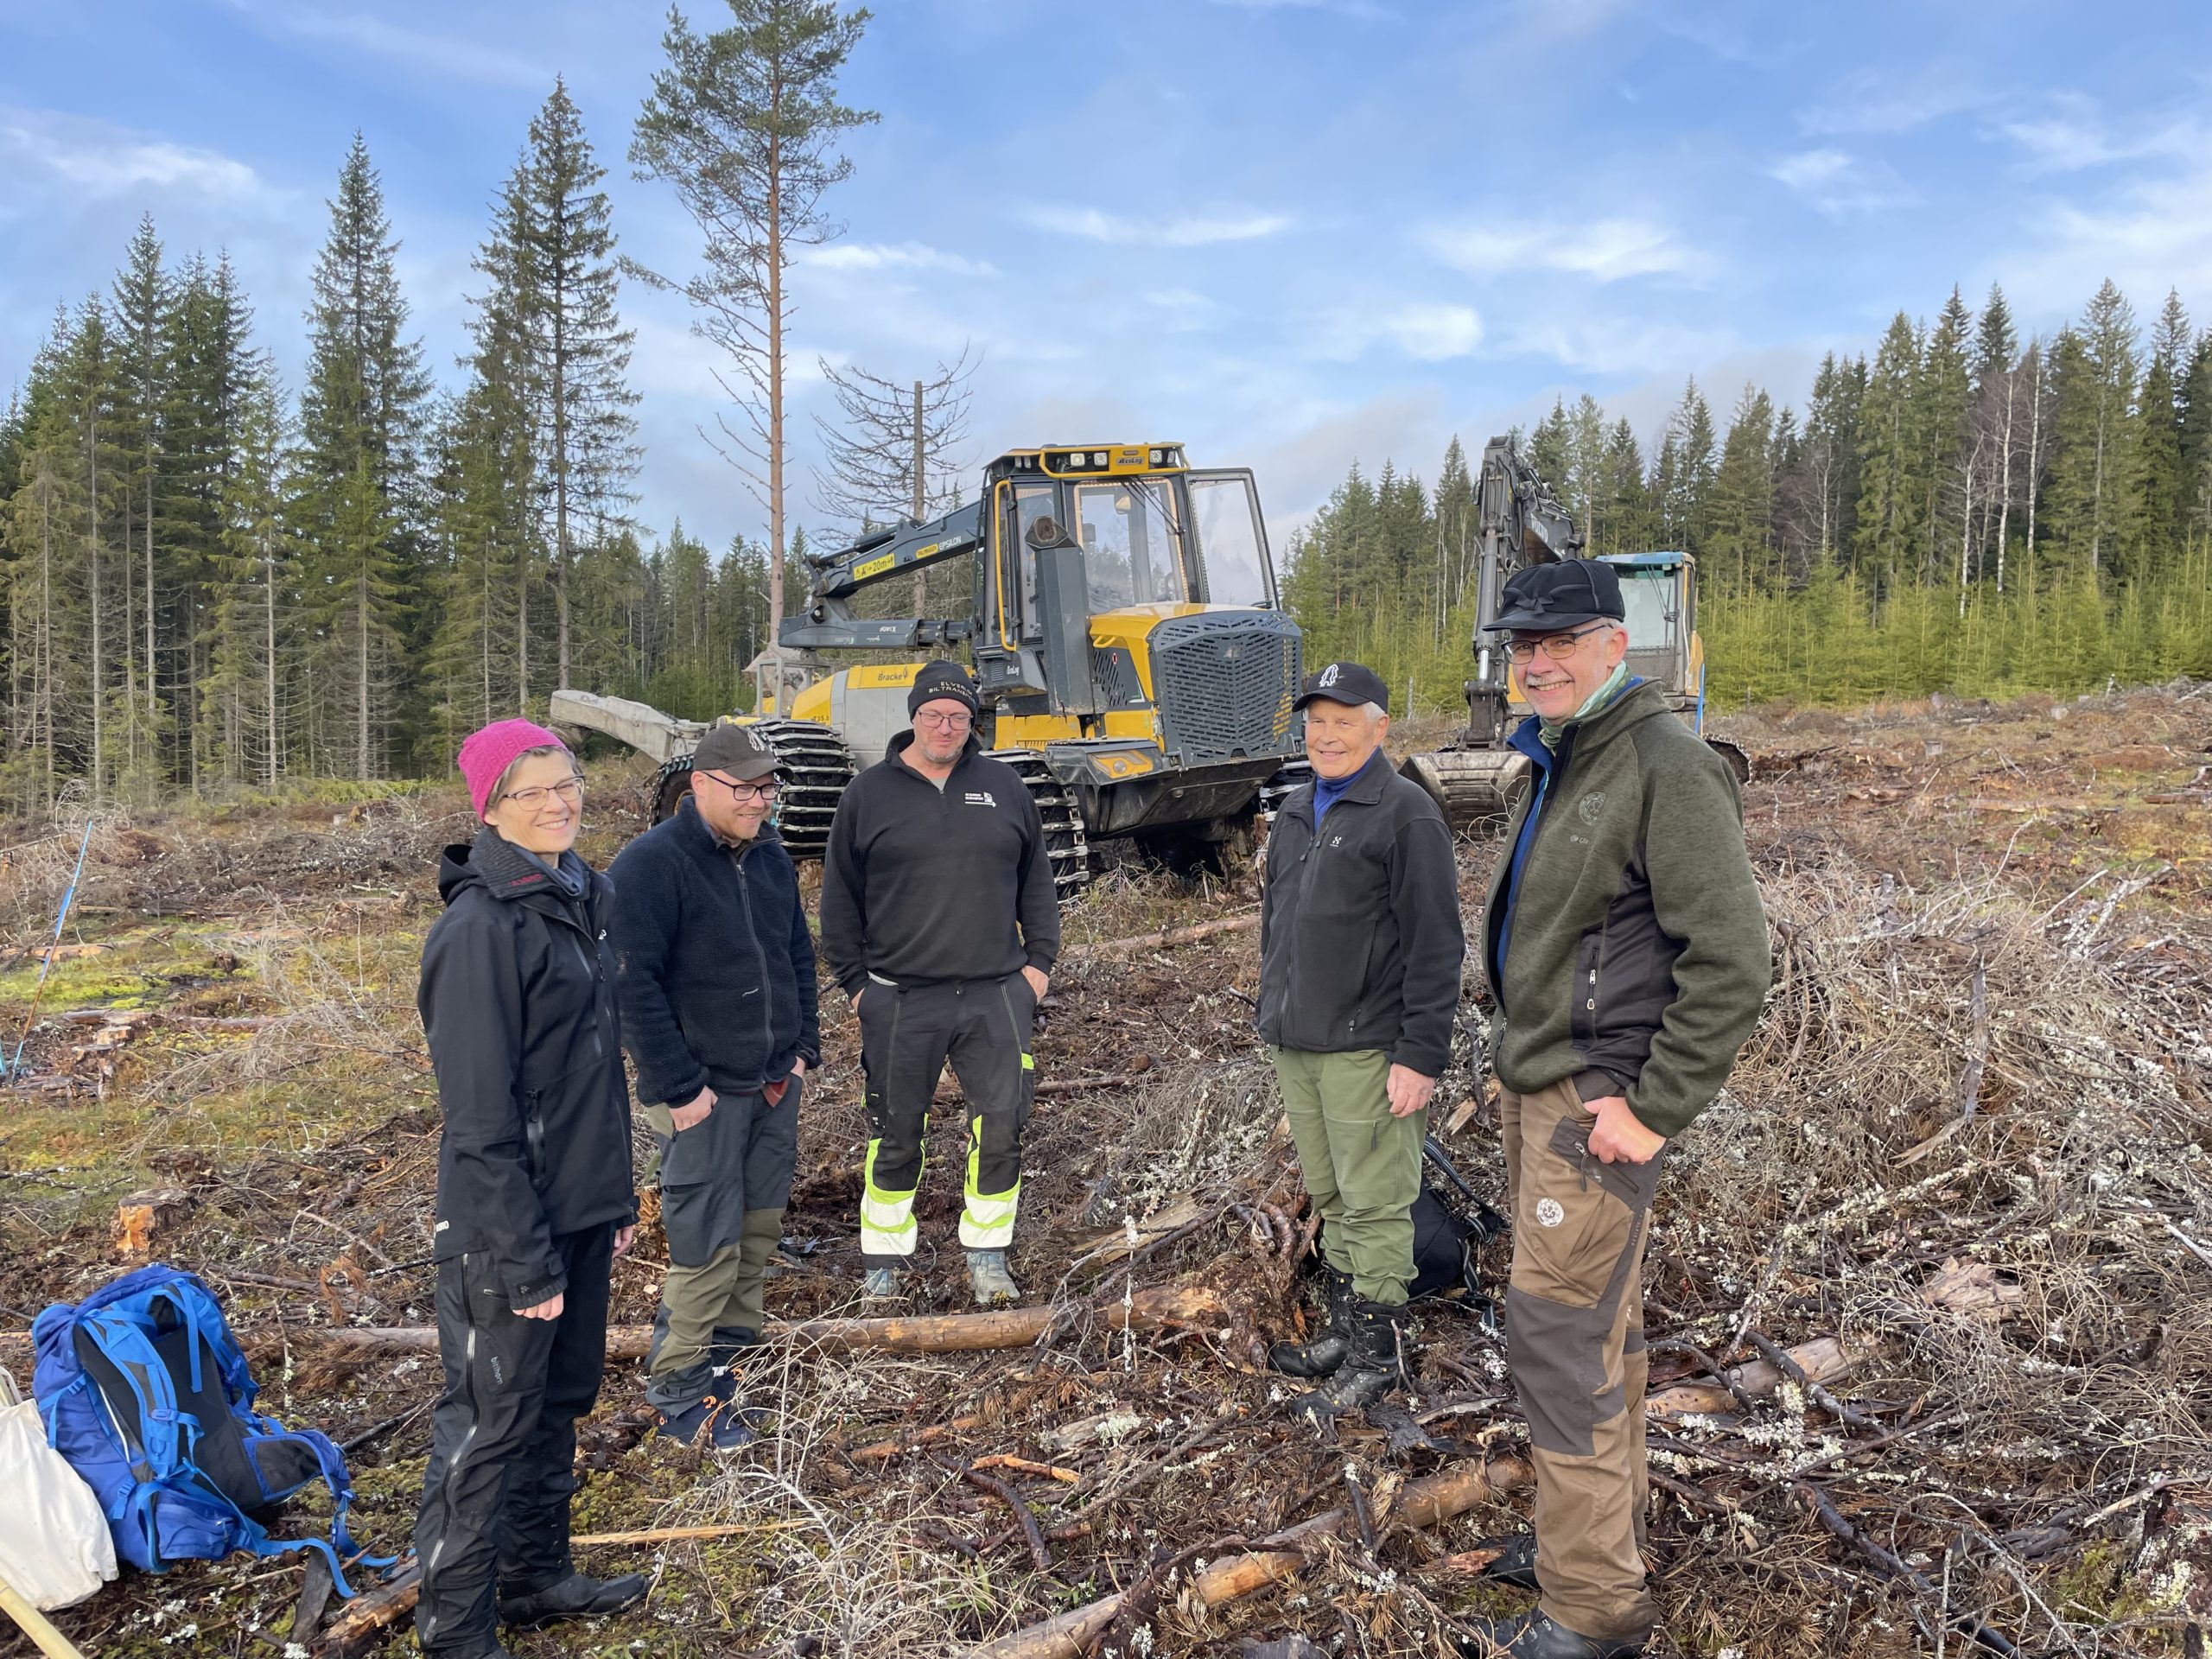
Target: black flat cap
<point>1349,683</point>
<point>1564,594</point>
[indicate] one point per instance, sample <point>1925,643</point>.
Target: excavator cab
<point>1659,592</point>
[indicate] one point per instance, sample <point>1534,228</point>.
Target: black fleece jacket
<point>518,1000</point>
<point>922,885</point>
<point>1360,940</point>
<point>716,967</point>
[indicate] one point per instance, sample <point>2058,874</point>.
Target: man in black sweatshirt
<point>940,921</point>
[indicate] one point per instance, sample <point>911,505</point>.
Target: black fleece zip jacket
<point>518,1000</point>
<point>1360,940</point>
<point>920,886</point>
<point>716,967</point>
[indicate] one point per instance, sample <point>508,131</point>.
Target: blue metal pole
<point>46,963</point>
<point>1701,699</point>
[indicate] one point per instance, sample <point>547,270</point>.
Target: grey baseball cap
<point>737,750</point>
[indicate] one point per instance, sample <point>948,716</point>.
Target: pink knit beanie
<point>486,754</point>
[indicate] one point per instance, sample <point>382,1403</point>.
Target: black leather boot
<point>578,1596</point>
<point>1516,1560</point>
<point>1535,1636</point>
<point>1321,1356</point>
<point>1374,1362</point>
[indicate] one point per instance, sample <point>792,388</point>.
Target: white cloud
<point>1434,333</point>
<point>1877,101</point>
<point>447,56</point>
<point>1607,250</point>
<point>1837,184</point>
<point>2148,234</point>
<point>2072,135</point>
<point>1190,231</point>
<point>902,255</point>
<point>1426,331</point>
<point>1611,345</point>
<point>94,159</point>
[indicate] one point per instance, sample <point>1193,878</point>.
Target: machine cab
<point>1151,530</point>
<point>1126,531</point>
<point>1659,593</point>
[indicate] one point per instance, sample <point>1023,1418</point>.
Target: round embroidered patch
<point>1549,1212</point>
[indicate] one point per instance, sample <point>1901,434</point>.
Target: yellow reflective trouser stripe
<point>987,1223</point>
<point>887,1218</point>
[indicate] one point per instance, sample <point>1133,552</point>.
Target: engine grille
<point>1224,684</point>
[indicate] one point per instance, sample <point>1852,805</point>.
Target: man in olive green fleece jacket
<point>1626,951</point>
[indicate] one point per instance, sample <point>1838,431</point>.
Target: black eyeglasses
<point>745,792</point>
<point>1557,646</point>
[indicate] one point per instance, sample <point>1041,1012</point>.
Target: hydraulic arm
<point>828,623</point>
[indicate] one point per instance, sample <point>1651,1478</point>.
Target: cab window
<point>1131,544</point>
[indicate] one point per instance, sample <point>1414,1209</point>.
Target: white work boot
<point>989,1279</point>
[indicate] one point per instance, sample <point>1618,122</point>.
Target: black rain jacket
<point>518,1000</point>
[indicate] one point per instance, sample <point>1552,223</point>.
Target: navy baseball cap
<point>1562,594</point>
<point>1349,683</point>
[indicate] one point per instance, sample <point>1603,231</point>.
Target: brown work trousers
<point>1575,1338</point>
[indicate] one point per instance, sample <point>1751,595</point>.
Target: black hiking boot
<point>578,1596</point>
<point>1535,1636</point>
<point>1322,1355</point>
<point>1374,1363</point>
<point>1516,1560</point>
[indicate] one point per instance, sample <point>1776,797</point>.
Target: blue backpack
<point>146,1393</point>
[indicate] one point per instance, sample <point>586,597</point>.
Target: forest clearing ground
<point>2001,1199</point>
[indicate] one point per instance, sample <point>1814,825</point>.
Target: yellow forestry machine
<point>1132,657</point>
<point>1478,779</point>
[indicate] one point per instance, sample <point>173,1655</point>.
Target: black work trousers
<point>907,1033</point>
<point>503,1439</point>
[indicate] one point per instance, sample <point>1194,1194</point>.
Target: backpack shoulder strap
<point>138,1380</point>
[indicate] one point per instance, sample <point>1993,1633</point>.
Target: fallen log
<point>1422,1503</point>
<point>944,1333</point>
<point>1823,1359</point>
<point>1167,938</point>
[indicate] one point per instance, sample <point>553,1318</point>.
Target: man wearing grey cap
<point>716,976</point>
<point>1360,949</point>
<point>940,920</point>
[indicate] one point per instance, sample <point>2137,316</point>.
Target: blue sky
<point>1288,233</point>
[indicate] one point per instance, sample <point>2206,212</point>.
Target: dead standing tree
<point>898,448</point>
<point>743,122</point>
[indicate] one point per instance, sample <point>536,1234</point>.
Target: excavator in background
<point>1478,779</point>
<point>1131,653</point>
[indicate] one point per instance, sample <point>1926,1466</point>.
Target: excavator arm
<point>1519,522</point>
<point>828,622</point>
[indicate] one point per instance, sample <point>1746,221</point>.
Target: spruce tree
<point>1945,466</point>
<point>144,300</point>
<point>1888,448</point>
<point>2165,486</point>
<point>356,487</point>
<point>578,351</point>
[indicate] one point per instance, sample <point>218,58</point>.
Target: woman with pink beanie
<point>535,1197</point>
